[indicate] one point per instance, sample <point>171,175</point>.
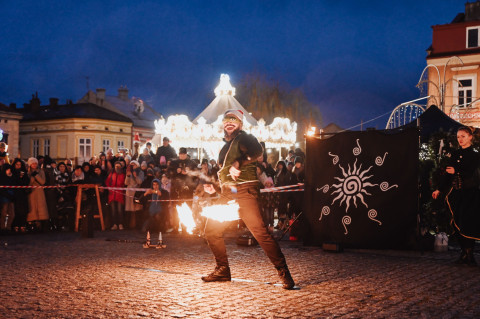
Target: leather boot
<point>286,278</point>
<point>221,273</point>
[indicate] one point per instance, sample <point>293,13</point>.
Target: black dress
<point>463,198</point>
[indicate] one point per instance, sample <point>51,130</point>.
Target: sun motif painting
<point>353,186</point>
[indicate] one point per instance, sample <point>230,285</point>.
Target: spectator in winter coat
<point>134,178</point>
<point>20,205</point>
<point>38,212</point>
<point>116,198</point>
<point>7,198</point>
<point>165,153</point>
<point>145,157</point>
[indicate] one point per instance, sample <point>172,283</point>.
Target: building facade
<point>10,127</point>
<point>71,131</point>
<point>453,63</point>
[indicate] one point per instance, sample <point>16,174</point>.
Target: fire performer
<point>238,181</point>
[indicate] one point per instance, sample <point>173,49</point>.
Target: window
<point>120,144</point>
<point>106,145</point>
<point>46,147</point>
<point>465,92</point>
<point>85,149</point>
<point>35,147</point>
<point>472,37</point>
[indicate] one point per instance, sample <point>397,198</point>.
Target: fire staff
<point>238,181</point>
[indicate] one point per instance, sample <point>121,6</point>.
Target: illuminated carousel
<point>205,132</point>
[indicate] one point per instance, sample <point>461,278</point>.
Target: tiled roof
<point>4,108</point>
<point>79,110</point>
<point>128,108</point>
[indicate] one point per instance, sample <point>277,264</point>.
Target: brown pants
<point>246,196</point>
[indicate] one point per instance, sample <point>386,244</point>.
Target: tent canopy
<point>219,106</point>
<point>432,121</point>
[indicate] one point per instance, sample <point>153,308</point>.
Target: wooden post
<point>99,204</point>
<point>79,205</point>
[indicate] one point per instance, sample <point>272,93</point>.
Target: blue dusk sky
<point>355,60</point>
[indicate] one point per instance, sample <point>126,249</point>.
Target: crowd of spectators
<point>166,179</point>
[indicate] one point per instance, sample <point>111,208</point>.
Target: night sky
<point>356,60</point>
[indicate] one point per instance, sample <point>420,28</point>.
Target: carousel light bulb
<point>224,88</point>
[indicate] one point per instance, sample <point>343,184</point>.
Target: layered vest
<point>234,153</point>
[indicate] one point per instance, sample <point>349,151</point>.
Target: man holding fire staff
<point>239,182</point>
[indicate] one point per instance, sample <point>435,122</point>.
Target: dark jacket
<point>167,151</point>
<point>466,163</point>
<point>244,149</point>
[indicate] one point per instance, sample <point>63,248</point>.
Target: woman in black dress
<point>463,194</point>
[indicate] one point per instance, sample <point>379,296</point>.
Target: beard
<point>230,136</point>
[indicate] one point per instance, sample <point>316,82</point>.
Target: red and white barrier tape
<point>282,188</point>
<point>286,190</point>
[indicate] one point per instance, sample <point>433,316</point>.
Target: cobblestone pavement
<point>63,275</point>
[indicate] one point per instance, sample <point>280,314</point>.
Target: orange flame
<point>186,218</point>
<point>221,213</point>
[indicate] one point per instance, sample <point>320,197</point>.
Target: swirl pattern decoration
<point>346,220</point>
<point>384,186</point>
<point>352,185</point>
<point>372,214</point>
<point>335,158</point>
<point>324,188</point>
<point>325,211</point>
<point>357,150</point>
<point>379,160</point>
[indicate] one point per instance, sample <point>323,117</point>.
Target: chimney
<point>472,11</point>
<point>101,94</point>
<point>13,106</point>
<point>53,101</point>
<point>35,102</point>
<point>123,93</point>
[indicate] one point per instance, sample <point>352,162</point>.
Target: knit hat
<point>268,180</point>
<point>237,113</point>
<point>135,162</point>
<point>32,160</point>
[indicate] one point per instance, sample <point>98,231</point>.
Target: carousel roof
<point>219,106</point>
<point>224,101</point>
